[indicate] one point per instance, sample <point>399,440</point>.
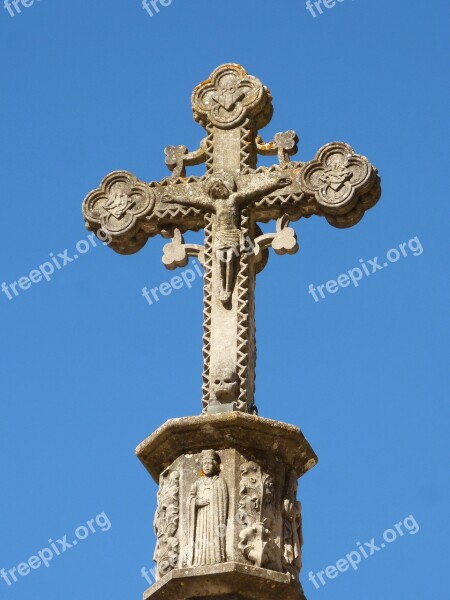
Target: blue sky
<point>89,368</point>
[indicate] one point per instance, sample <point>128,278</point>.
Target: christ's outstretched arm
<point>198,202</point>
<point>263,189</point>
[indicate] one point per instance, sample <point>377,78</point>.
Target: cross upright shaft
<point>227,202</point>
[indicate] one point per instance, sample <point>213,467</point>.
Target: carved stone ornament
<point>338,178</point>
<point>166,523</point>
<point>119,205</point>
<point>256,495</point>
<point>229,97</point>
<point>225,388</point>
<point>292,528</point>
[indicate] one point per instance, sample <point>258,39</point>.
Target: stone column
<point>228,521</point>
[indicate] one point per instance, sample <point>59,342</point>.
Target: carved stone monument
<point>228,523</point>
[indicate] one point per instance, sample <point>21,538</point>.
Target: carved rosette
<point>229,97</point>
<point>343,183</point>
<point>119,207</point>
<point>166,523</point>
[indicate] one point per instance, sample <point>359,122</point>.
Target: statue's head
<point>220,186</point>
<point>210,463</point>
<point>225,385</point>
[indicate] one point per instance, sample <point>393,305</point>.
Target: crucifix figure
<point>227,202</point>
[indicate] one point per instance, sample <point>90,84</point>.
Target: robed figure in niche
<point>208,512</point>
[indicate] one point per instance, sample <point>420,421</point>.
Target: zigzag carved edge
<point>247,146</point>
<point>207,307</point>
<point>243,325</point>
<point>209,161</point>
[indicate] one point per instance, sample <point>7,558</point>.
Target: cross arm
<point>258,188</point>
<point>337,184</point>
<point>126,211</point>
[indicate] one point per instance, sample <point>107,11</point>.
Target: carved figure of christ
<point>222,198</point>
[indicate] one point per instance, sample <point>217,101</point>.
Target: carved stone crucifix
<point>227,202</point>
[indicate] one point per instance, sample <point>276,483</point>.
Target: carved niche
<point>166,523</point>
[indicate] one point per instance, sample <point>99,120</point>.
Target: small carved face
<point>210,466</point>
<point>226,385</point>
<point>249,468</point>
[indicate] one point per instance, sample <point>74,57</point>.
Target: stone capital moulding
<point>231,508</point>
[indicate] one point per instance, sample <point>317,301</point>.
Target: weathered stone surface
<point>228,522</point>
<point>221,582</point>
<point>228,483</point>
<point>230,430</point>
<point>228,201</point>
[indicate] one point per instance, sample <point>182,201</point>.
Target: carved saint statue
<point>226,201</point>
<point>208,512</point>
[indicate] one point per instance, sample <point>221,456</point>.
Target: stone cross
<point>227,202</point>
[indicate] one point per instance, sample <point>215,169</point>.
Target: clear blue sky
<point>89,369</point>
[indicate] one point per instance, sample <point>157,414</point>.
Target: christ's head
<point>219,191</point>
<point>220,186</point>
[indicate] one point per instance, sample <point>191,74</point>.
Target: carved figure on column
<point>292,528</point>
<point>208,514</point>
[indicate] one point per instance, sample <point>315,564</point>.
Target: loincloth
<point>229,238</point>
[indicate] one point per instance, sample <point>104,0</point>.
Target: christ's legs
<point>230,272</point>
<point>226,258</point>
